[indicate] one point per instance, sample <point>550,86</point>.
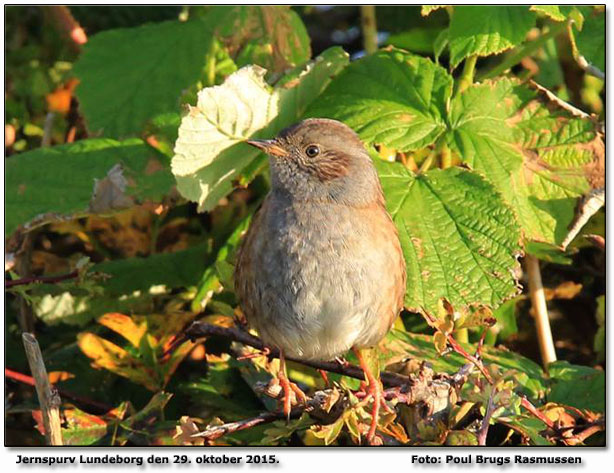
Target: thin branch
<point>490,409</point>
<point>48,398</point>
<point>217,431</point>
<point>473,359</point>
<point>540,310</point>
<point>524,402</point>
<point>200,329</point>
<point>369,28</point>
<point>41,279</point>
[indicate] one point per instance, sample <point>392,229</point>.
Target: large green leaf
<point>58,183</point>
<point>459,238</point>
<point>578,386</point>
<point>210,151</point>
<point>487,29</point>
<point>591,40</point>
<point>273,37</point>
<point>130,75</point>
<point>539,155</point>
<point>390,97</point>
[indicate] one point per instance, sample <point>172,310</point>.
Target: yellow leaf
<point>57,376</point>
<point>109,356</point>
<point>125,326</point>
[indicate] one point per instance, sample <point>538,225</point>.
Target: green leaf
<point>506,319</point>
<point>539,154</point>
<point>390,97</point>
<point>530,428</point>
<point>224,390</point>
<point>591,40</point>
<point>599,342</point>
<point>210,152</point>
<point>179,269</point>
<point>273,37</point>
<point>417,40</point>
<point>484,30</point>
<point>130,75</point>
<point>58,183</point>
<point>427,9</point>
<point>578,386</point>
<point>551,11</point>
<point>459,239</point>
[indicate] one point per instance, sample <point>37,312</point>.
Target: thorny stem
<point>369,28</point>
<point>538,302</point>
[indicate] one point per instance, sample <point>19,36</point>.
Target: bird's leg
<point>375,391</point>
<point>289,388</point>
<point>324,377</point>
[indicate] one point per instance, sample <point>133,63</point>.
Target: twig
<point>369,28</point>
<point>48,398</point>
<point>524,402</point>
<point>490,409</point>
<point>200,329</point>
<point>48,129</point>
<point>41,279</point>
<point>476,361</point>
<point>538,302</point>
<point>217,431</point>
<point>29,380</point>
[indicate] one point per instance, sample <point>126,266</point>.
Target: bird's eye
<point>312,151</point>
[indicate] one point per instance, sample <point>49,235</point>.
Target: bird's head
<point>321,159</point>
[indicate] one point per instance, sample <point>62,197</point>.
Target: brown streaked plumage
<point>320,270</point>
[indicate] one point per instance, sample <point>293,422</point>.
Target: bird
<point>320,270</point>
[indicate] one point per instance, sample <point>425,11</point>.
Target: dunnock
<point>320,270</point>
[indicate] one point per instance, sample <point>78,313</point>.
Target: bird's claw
<point>291,392</point>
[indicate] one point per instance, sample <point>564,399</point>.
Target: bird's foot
<point>265,352</point>
<point>290,394</point>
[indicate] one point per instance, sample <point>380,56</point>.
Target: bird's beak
<point>269,147</point>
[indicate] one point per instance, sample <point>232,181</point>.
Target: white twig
<point>540,310</point>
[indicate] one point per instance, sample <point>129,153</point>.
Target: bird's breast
<point>326,270</point>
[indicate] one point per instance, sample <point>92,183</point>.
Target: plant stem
<point>462,335</point>
<point>446,156</point>
<point>528,48</point>
<point>48,398</point>
<point>369,28</point>
<point>466,78</point>
<point>540,310</point>
<point>41,279</point>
